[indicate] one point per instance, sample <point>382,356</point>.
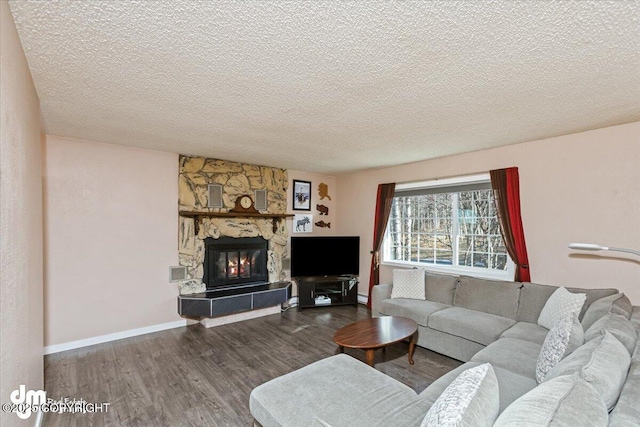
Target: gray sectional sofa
<point>472,320</point>
<point>463,315</point>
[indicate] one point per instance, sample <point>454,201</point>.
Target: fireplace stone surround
<point>195,174</point>
<point>237,179</point>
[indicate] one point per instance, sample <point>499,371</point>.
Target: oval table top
<point>375,332</point>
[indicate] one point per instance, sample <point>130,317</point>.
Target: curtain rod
<point>442,177</point>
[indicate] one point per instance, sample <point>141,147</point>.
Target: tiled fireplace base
<point>234,300</point>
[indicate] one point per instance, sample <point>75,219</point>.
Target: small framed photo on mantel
<point>301,195</point>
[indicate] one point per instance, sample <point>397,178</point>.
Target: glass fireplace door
<point>235,262</point>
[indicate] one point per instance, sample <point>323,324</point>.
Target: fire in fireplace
<point>235,261</point>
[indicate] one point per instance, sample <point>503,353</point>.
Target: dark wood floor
<point>194,376</point>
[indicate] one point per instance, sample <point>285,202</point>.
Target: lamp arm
<point>629,251</point>
<point>593,247</point>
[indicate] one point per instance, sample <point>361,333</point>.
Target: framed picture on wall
<point>301,195</point>
<point>303,223</point>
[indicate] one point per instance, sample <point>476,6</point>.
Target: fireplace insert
<point>235,261</point>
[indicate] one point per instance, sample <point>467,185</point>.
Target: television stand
<point>323,291</point>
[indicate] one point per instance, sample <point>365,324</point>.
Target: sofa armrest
<point>379,293</point>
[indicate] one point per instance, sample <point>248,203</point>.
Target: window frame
<point>484,273</point>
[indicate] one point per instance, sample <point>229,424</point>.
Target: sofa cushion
<point>532,299</point>
<point>440,287</point>
<point>598,309</point>
<point>622,306</point>
<point>592,295</point>
<point>470,400</point>
<point>510,386</point>
<point>483,328</point>
<point>563,401</point>
<point>565,336</point>
<point>408,284</point>
<point>526,331</point>
<point>627,410</point>
<point>494,297</point>
<point>447,344</point>
<point>534,296</point>
<point>635,317</point>
<point>329,390</point>
<point>618,326</point>
<point>512,354</point>
<point>603,363</point>
<point>560,304</point>
<point>414,309</point>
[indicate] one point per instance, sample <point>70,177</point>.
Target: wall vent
<point>215,196</point>
<point>261,200</point>
<point>177,274</point>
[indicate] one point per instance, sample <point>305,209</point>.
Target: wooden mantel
<point>196,215</point>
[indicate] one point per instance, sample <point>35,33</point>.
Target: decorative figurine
<point>323,224</point>
<point>322,209</point>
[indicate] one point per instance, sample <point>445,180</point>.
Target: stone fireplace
<point>237,179</point>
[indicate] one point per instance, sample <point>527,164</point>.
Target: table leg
<point>370,357</point>
<point>412,347</point>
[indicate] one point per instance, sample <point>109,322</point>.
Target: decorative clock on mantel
<point>244,204</point>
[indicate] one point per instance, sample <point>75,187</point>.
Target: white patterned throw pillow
<point>472,400</point>
<point>560,304</point>
<point>563,338</point>
<point>408,284</point>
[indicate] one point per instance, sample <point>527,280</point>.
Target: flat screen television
<point>325,256</point>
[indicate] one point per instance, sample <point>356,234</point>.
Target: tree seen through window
<point>457,229</point>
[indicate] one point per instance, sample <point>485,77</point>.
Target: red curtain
<point>383,209</point>
<point>506,192</point>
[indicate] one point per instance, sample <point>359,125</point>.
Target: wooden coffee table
<point>377,332</point>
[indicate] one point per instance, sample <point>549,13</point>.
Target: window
<point>447,225</point>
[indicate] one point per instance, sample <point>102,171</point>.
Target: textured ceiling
<point>330,86</point>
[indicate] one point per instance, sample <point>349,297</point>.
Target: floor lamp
<point>592,247</point>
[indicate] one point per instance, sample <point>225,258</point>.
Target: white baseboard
<point>57,348</point>
<point>363,299</point>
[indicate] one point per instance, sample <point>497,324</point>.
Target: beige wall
<point>582,187</point>
<point>110,220</point>
<point>20,222</point>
